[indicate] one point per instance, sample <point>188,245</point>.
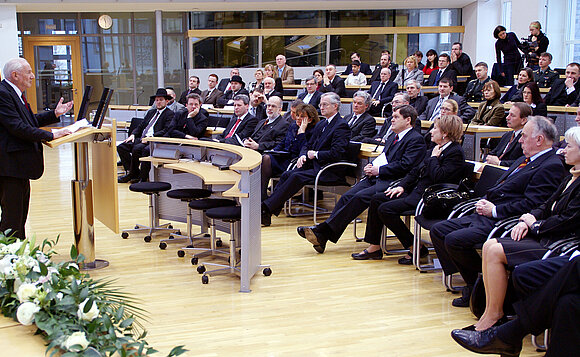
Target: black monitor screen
<point>105,107</point>
<point>100,107</point>
<point>85,103</point>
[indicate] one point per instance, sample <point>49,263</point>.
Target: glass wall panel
<point>289,19</point>
<point>361,18</point>
<point>121,23</point>
<point>212,52</point>
<point>224,20</point>
<point>369,47</point>
<point>48,24</point>
<point>174,62</point>
<point>300,51</point>
<point>173,22</point>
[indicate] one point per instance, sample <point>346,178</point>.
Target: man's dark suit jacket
<point>402,156</point>
<point>462,66</point>
<point>185,93</point>
<point>161,127</point>
<point>512,153</point>
<point>364,68</point>
<point>213,98</point>
<point>474,91</point>
<point>448,73</point>
<point>183,125</point>
<point>314,101</point>
<point>528,188</point>
<point>558,96</point>
<point>376,76</point>
<point>336,86</point>
<point>223,100</point>
<point>389,90</point>
<point>465,112</point>
<point>273,93</point>
<point>260,111</point>
<point>223,84</point>
<point>269,135</point>
<point>419,103</point>
<point>244,129</point>
<point>20,136</point>
<point>364,127</point>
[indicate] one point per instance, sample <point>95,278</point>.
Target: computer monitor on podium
<point>100,108</point>
<point>84,108</point>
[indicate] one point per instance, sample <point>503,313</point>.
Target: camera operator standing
<point>536,44</point>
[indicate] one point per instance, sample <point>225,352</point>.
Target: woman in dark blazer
<point>298,134</point>
<point>557,218</point>
<point>444,165</point>
<point>514,94</point>
<point>533,98</point>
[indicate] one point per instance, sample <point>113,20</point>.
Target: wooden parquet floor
<point>312,305</point>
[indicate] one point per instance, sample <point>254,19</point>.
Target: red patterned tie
<point>26,103</point>
<point>233,131</point>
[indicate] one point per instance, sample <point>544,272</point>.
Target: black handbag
<point>439,200</point>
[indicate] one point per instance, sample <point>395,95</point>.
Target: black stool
<point>187,195</point>
<point>150,189</point>
<point>203,205</point>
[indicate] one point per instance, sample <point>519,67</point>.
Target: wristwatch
<point>535,227</point>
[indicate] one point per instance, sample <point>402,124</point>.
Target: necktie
<point>520,166</point>
<point>352,121</point>
<point>508,145</point>
<point>378,91</point>
<point>253,111</point>
<point>396,139</point>
<point>233,131</point>
<point>437,109</point>
<point>151,124</point>
<point>26,103</point>
<point>324,125</point>
<point>437,78</point>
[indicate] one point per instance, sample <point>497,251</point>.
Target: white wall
<point>480,19</point>
<point>8,33</point>
<point>555,28</point>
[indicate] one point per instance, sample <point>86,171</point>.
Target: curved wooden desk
<point>241,181</point>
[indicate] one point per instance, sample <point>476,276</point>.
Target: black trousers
<point>527,278</point>
<point>290,183</point>
<point>556,305</point>
<point>455,241</point>
<point>350,205</point>
<point>387,211</point>
<point>14,201</point>
<point>130,153</point>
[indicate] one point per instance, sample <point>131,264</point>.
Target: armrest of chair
<point>505,225</point>
<point>463,208</point>
<point>563,246</point>
<point>334,164</point>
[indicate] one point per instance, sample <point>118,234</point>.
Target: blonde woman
<point>410,72</point>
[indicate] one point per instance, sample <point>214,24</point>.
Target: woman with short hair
<point>490,112</point>
<point>410,72</point>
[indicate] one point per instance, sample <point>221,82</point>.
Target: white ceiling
<point>224,5</point>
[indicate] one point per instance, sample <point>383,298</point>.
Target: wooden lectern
<point>96,197</point>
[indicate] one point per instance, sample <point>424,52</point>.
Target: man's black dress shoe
<point>266,216</point>
<point>423,252</point>
<point>463,301</point>
<point>485,342</point>
<point>365,255</point>
<point>301,230</point>
<point>499,322</point>
<point>314,237</point>
<point>127,178</point>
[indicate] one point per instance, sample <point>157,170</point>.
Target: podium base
<point>97,264</point>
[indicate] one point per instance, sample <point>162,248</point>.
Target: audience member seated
<point>399,99</point>
<point>327,144</point>
<point>332,82</point>
<point>364,67</point>
<point>509,149</point>
<point>290,115</point>
<point>298,134</point>
<point>257,106</point>
<point>419,56</point>
<point>271,131</point>
<point>445,89</point>
<point>382,92</point>
<point>560,146</point>
<point>419,102</point>
<point>311,95</point>
<point>192,87</point>
<point>555,219</point>
<point>444,71</point>
<point>283,71</point>
<point>157,122</point>
<point>269,90</point>
<point>508,44</point>
<point>259,76</point>
<point>191,122</point>
<point>404,149</point>
<point>461,64</point>
<point>212,94</point>
<point>526,184</point>
<point>552,302</point>
<point>533,98</point>
<point>490,112</point>
<point>224,85</point>
<point>409,73</point>
<point>384,63</point>
<point>356,77</point>
<point>241,125</point>
<point>432,62</point>
<point>362,124</point>
<point>171,103</point>
<point>474,91</point>
<point>565,91</point>
<point>443,164</point>
<point>237,88</point>
<point>514,94</point>
<point>319,75</point>
<point>544,76</point>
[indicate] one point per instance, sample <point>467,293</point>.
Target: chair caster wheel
<point>267,271</point>
<point>219,243</point>
<point>204,279</point>
<point>171,236</point>
<point>201,269</point>
<point>124,235</point>
<point>136,227</point>
<point>162,245</point>
<point>147,239</point>
<point>180,253</point>
<point>178,233</point>
<point>170,226</point>
<point>194,261</point>
<point>207,235</point>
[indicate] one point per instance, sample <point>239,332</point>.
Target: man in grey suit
<point>433,109</point>
<point>212,94</point>
<point>362,124</point>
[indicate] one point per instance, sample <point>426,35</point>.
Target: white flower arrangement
<point>59,299</point>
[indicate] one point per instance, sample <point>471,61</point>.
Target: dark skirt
<point>523,251</point>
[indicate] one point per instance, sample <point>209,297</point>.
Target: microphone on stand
<point>139,95</point>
